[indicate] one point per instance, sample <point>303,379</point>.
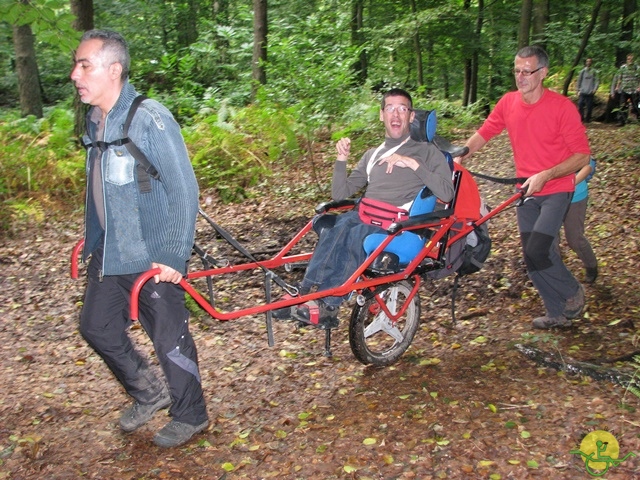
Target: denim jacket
<point>141,228</point>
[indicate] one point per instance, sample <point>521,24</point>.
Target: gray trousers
<point>574,232</point>
<point>104,322</point>
<point>539,222</point>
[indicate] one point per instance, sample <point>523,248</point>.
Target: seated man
<point>393,173</point>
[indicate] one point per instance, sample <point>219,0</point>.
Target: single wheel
<point>374,337</point>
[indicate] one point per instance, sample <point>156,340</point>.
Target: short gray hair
<point>534,51</point>
<point>114,48</point>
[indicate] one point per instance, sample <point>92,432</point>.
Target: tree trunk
<point>540,20</point>
<point>27,68</point>
<point>629,8</point>
<point>187,23</point>
<point>258,70</point>
<point>467,82</point>
<point>417,49</point>
<point>83,10</point>
<point>361,65</point>
<point>475,58</point>
<point>583,45</point>
<point>525,23</point>
<point>468,62</point>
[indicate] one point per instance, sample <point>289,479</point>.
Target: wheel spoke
<point>382,322</point>
<point>395,333</point>
<point>376,325</point>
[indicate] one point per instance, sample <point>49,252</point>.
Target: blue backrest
<point>424,202</point>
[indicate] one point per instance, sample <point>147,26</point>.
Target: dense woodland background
<point>259,82</point>
<point>262,90</point>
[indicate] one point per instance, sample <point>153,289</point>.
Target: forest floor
<point>462,402</point>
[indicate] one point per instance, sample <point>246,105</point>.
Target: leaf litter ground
<point>461,403</point>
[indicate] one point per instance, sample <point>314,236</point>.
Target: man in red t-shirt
<point>549,146</point>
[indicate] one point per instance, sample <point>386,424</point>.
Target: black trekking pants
<point>104,323</point>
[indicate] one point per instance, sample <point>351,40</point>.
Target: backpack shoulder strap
<point>145,167</point>
<point>132,112</point>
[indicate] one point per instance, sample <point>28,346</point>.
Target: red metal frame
<point>358,282</point>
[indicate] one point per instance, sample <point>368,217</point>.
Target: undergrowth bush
<point>40,161</point>
<point>236,147</point>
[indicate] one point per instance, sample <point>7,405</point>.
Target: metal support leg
<point>327,343</point>
<point>268,321</point>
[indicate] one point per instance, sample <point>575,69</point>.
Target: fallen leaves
<point>460,402</point>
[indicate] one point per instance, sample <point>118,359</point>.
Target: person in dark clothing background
<point>588,83</point>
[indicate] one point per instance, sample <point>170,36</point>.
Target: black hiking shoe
<point>137,414</point>
<point>284,313</point>
<point>590,275</point>
<point>175,433</point>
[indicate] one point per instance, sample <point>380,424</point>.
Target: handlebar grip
<point>460,152</point>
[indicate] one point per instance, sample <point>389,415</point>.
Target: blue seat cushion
<point>406,245</point>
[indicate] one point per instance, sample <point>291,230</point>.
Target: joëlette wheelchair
<point>386,313</point>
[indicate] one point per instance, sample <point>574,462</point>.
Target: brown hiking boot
<point>551,322</point>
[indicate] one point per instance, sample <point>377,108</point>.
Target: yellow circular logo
<point>601,444</point>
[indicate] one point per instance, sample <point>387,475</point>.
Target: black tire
<point>373,337</point>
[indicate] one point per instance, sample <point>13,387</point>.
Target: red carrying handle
<point>74,258</point>
<point>137,288</point>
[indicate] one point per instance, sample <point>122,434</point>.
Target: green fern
<point>634,385</point>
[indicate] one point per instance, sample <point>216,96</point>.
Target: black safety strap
<point>144,167</point>
<point>290,289</point>
<point>505,181</point>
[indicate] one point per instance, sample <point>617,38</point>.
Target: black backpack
<point>476,250</point>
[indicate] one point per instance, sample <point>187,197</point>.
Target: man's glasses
<point>525,73</point>
<point>394,108</point>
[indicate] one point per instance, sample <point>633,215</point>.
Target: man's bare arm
<point>536,182</point>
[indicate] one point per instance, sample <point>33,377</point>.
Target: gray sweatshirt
<point>401,185</point>
<point>588,81</point>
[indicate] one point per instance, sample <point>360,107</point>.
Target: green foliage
<point>39,155</point>
<point>20,212</point>
<point>199,65</point>
<point>452,115</point>
<point>51,25</point>
<point>235,148</point>
<point>50,20</point>
<point>309,66</point>
<point>39,161</point>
